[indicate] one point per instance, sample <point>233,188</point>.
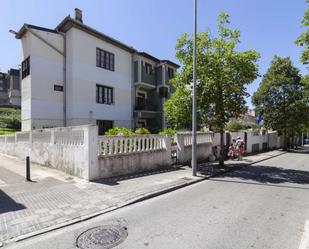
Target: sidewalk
<point>55,199</point>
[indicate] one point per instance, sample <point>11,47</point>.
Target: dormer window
<point>148,68</point>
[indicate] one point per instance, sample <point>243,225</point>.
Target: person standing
<point>240,148</point>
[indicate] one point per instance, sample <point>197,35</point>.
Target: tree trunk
<point>285,141</point>
<point>221,157</point>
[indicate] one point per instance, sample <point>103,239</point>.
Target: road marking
<point>304,243</point>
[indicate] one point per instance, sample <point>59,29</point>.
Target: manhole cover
<point>102,237</point>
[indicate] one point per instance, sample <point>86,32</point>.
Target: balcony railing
<point>146,108</point>
<point>144,105</point>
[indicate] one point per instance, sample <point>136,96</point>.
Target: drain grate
<point>102,237</point>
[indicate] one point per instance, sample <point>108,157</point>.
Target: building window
<point>105,95</point>
<point>170,72</point>
<point>163,92</point>
<point>148,68</point>
<point>104,126</point>
<point>25,67</point>
<point>141,123</point>
<point>105,59</point>
<point>141,98</point>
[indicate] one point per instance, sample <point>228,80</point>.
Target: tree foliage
<point>281,98</point>
<point>222,73</point>
<point>303,39</point>
<point>178,108</point>
<point>10,118</point>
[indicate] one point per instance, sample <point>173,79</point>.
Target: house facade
<point>10,90</point>
<point>75,75</point>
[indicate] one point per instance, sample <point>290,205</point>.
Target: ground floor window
<point>104,126</point>
<point>141,123</point>
<point>105,95</point>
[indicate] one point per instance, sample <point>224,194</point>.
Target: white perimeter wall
<point>71,149</point>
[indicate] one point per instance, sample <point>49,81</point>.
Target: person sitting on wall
<point>231,153</point>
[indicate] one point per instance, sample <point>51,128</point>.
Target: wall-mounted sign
<point>58,88</point>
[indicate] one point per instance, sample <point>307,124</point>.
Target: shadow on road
<point>7,204</point>
<point>269,174</point>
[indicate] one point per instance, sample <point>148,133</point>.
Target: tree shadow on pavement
<point>300,150</point>
<point>269,174</point>
<point>116,180</point>
<point>7,204</point>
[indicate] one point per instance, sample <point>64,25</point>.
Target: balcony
<point>143,105</point>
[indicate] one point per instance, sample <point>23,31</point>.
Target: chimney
<point>78,15</point>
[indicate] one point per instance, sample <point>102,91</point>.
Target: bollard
<point>28,168</point>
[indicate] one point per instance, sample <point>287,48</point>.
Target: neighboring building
<point>10,88</point>
<point>152,88</point>
<point>74,75</point>
<point>247,118</point>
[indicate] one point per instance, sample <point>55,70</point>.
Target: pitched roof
<point>68,22</point>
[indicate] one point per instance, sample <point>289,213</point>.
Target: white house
<point>74,75</point>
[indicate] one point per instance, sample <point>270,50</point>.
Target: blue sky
<point>153,26</point>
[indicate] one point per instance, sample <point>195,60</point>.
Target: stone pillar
<point>91,150</point>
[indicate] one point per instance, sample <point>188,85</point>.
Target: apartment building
<point>10,94</point>
<point>74,75</point>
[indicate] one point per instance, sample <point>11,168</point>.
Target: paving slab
<point>54,199</point>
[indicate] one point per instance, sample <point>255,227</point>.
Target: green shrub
<point>237,126</point>
<point>142,131</point>
<point>10,118</point>
<point>234,126</point>
<point>168,131</point>
<point>119,131</point>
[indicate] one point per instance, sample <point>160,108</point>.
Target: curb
<point>137,199</point>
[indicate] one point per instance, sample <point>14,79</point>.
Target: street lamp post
<point>194,163</point>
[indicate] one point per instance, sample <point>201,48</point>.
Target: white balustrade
<point>23,137</point>
<point>115,145</point>
<point>201,138</point>
<point>63,136</point>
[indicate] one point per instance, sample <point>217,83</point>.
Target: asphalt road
<point>265,205</point>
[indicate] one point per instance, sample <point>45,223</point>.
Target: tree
<point>281,98</point>
<point>222,74</point>
<point>303,39</point>
<point>178,108</point>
